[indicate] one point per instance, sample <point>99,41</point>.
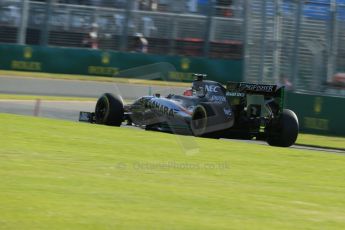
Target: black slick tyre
<point>284,131</point>
<point>109,110</point>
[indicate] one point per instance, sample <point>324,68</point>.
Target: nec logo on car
<point>212,88</point>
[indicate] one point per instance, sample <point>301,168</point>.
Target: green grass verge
<point>91,78</point>
<point>67,175</point>
<point>321,141</point>
<point>46,98</point>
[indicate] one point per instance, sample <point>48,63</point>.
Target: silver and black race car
<point>207,109</point>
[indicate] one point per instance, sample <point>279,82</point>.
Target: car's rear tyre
<point>109,110</point>
<point>284,131</point>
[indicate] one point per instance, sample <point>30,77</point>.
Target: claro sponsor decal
<point>158,107</point>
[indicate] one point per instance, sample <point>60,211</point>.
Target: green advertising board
<point>112,64</point>
<point>318,114</point>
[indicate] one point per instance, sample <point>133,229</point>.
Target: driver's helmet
<point>188,92</point>
<point>199,88</point>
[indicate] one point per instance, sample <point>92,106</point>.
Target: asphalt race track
<point>68,88</point>
<point>69,110</point>
<point>74,88</point>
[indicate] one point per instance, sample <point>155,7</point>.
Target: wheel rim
<point>199,121</point>
<point>101,109</point>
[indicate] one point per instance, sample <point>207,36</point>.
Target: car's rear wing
<point>258,89</point>
<point>243,93</point>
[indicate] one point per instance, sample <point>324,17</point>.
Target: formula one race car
<point>208,109</point>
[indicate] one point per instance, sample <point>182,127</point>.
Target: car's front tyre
<point>109,110</point>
